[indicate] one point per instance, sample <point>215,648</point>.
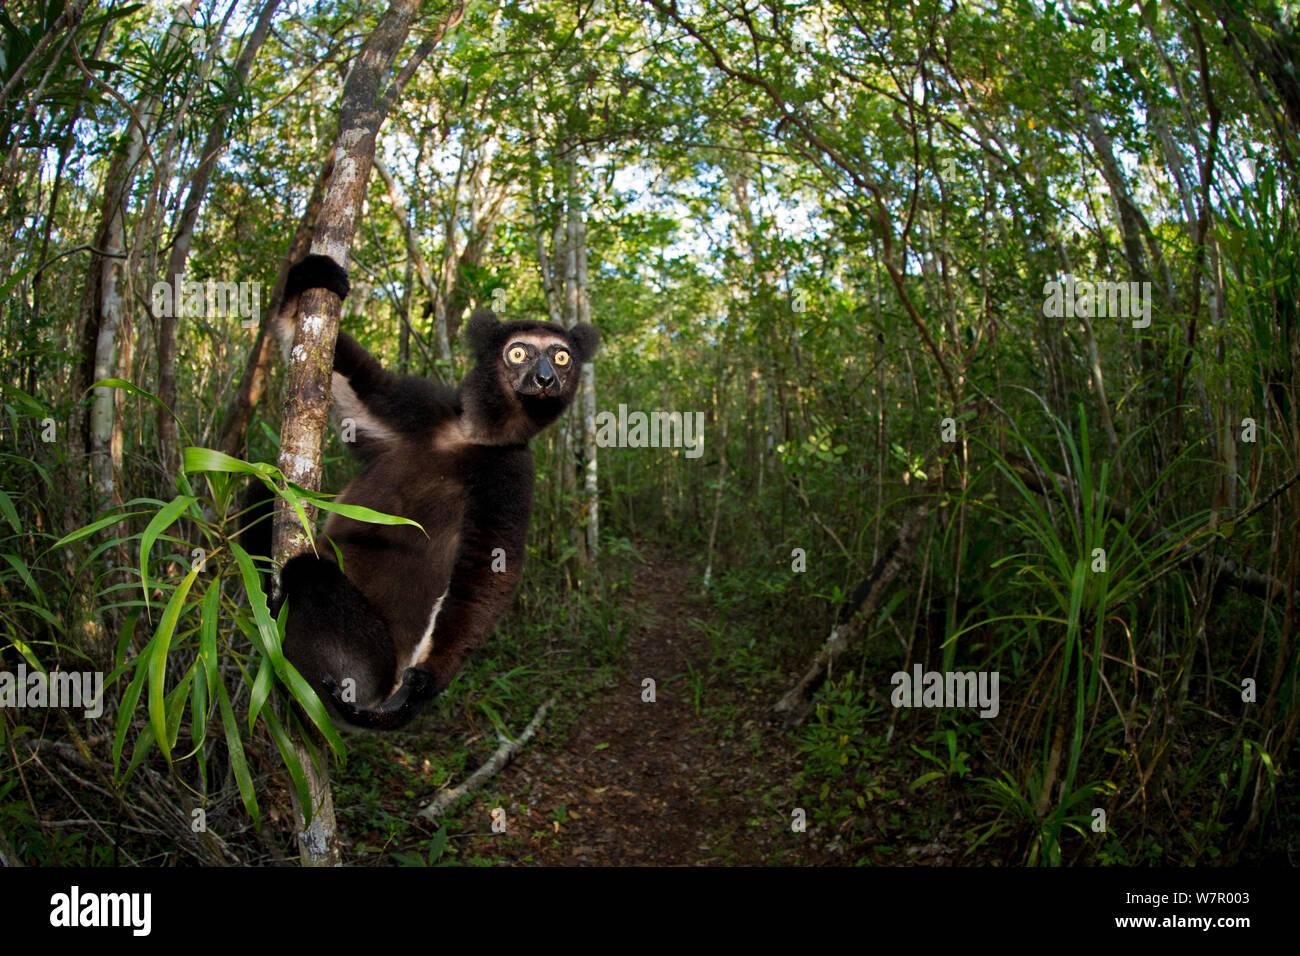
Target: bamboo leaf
<point>235,746</point>
<point>160,522</point>
<point>157,662</point>
<point>10,513</point>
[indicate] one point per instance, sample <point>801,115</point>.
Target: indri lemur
<point>400,615</point>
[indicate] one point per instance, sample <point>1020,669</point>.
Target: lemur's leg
<point>333,635</point>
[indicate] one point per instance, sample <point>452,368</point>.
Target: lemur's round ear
<point>586,339</point>
<point>480,328</point>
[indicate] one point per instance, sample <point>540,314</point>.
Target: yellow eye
<point>561,358</point>
<point>517,354</point>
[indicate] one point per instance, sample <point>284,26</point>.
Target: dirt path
<point>636,782</point>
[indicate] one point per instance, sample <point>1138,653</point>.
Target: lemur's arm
<point>313,272</point>
<point>487,572</point>
<point>382,405</point>
<point>483,582</point>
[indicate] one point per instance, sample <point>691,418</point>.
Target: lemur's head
<point>526,373</point>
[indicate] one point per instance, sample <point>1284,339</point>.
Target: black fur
<point>258,511</point>
<point>313,272</point>
<point>457,462</point>
<point>316,272</point>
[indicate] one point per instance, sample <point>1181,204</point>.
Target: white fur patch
<point>347,405</point>
<point>453,435</point>
<point>282,328</point>
<point>426,642</point>
<point>538,340</point>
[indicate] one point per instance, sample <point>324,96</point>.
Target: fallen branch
<point>504,754</point>
<point>793,704</point>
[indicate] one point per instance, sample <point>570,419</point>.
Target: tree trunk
<point>545,265</point>
<point>591,485</point>
<point>420,265</point>
<point>105,287</point>
<point>572,298</point>
<point>447,270</point>
<point>722,477</point>
<point>212,148</point>
<point>364,106</point>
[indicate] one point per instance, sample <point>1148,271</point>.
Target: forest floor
<point>698,777</point>
<point>635,782</point>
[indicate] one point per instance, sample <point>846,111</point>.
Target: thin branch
<point>504,754</point>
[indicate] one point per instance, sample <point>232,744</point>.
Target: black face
<point>540,366</point>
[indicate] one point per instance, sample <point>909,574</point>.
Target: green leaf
<point>199,703</point>
<point>238,763</point>
<point>125,636</point>
<point>176,707</point>
<point>208,635</point>
<point>19,565</point>
<point>260,692</point>
<point>157,663</point>
<point>91,528</point>
<point>126,709</point>
<point>11,515</point>
<point>43,613</point>
<point>28,654</point>
<point>291,762</point>
<point>161,521</point>
<point>209,459</point>
<point>364,514</point>
<point>925,778</point>
<point>302,692</point>
<point>497,722</point>
<point>140,751</point>
<point>268,636</point>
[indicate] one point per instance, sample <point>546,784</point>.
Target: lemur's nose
<point>545,374</point>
